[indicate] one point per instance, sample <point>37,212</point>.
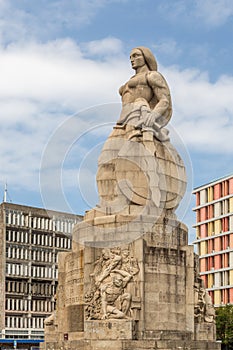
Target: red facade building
<point>214,237</point>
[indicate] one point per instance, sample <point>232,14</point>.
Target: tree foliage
<point>224,325</point>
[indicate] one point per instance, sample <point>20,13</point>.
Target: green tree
<point>224,325</point>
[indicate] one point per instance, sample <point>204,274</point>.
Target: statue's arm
<point>108,269</point>
<point>126,275</point>
<point>121,90</point>
<point>104,301</point>
<point>123,273</point>
<point>161,92</point>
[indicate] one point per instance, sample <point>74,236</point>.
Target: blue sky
<point>62,63</point>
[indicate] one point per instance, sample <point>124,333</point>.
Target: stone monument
<point>131,280</point>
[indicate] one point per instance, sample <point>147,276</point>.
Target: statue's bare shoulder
<point>156,80</point>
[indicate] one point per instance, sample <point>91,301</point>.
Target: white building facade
<point>30,240</point>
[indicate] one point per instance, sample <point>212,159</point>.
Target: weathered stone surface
<point>110,329</point>
<point>138,171</point>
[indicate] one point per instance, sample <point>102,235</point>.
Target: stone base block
<point>169,345</point>
<point>110,329</point>
<point>131,345</point>
<point>205,331</point>
<point>167,335</point>
<point>51,333</point>
<point>204,345</point>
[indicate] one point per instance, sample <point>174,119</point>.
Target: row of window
<point>217,279</point>
<point>214,210</point>
<point>215,244</point>
<point>31,271</point>
<point>48,240</point>
<point>40,239</point>
<point>44,272</point>
<point>24,335</point>
<point>24,322</point>
<point>17,287</point>
<point>29,305</point>
<point>17,236</point>
<point>220,297</point>
<point>214,192</point>
<point>43,289</point>
<point>40,289</point>
<point>17,218</point>
<point>22,253</point>
<point>215,227</point>
<point>216,262</point>
<point>45,240</point>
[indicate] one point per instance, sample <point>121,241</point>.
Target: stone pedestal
<point>161,314</point>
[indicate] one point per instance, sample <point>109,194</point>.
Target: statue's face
<point>105,254</point>
<point>118,281</point>
<point>137,59</point>
<point>125,253</point>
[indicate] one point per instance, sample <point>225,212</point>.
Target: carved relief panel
<point>114,286</point>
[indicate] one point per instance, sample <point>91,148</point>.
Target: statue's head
<point>106,254</point>
<point>142,55</point>
<point>118,281</point>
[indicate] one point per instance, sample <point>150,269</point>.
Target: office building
<point>214,238</point>
<point>30,240</point>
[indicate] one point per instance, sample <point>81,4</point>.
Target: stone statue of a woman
<point>146,100</point>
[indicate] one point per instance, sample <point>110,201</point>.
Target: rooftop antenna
<point>6,197</point>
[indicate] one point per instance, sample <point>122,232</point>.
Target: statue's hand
<point>150,120</point>
<point>147,118</point>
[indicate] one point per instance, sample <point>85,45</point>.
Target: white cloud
<point>56,72</point>
<point>203,111</point>
<point>107,47</point>
<point>42,85</point>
